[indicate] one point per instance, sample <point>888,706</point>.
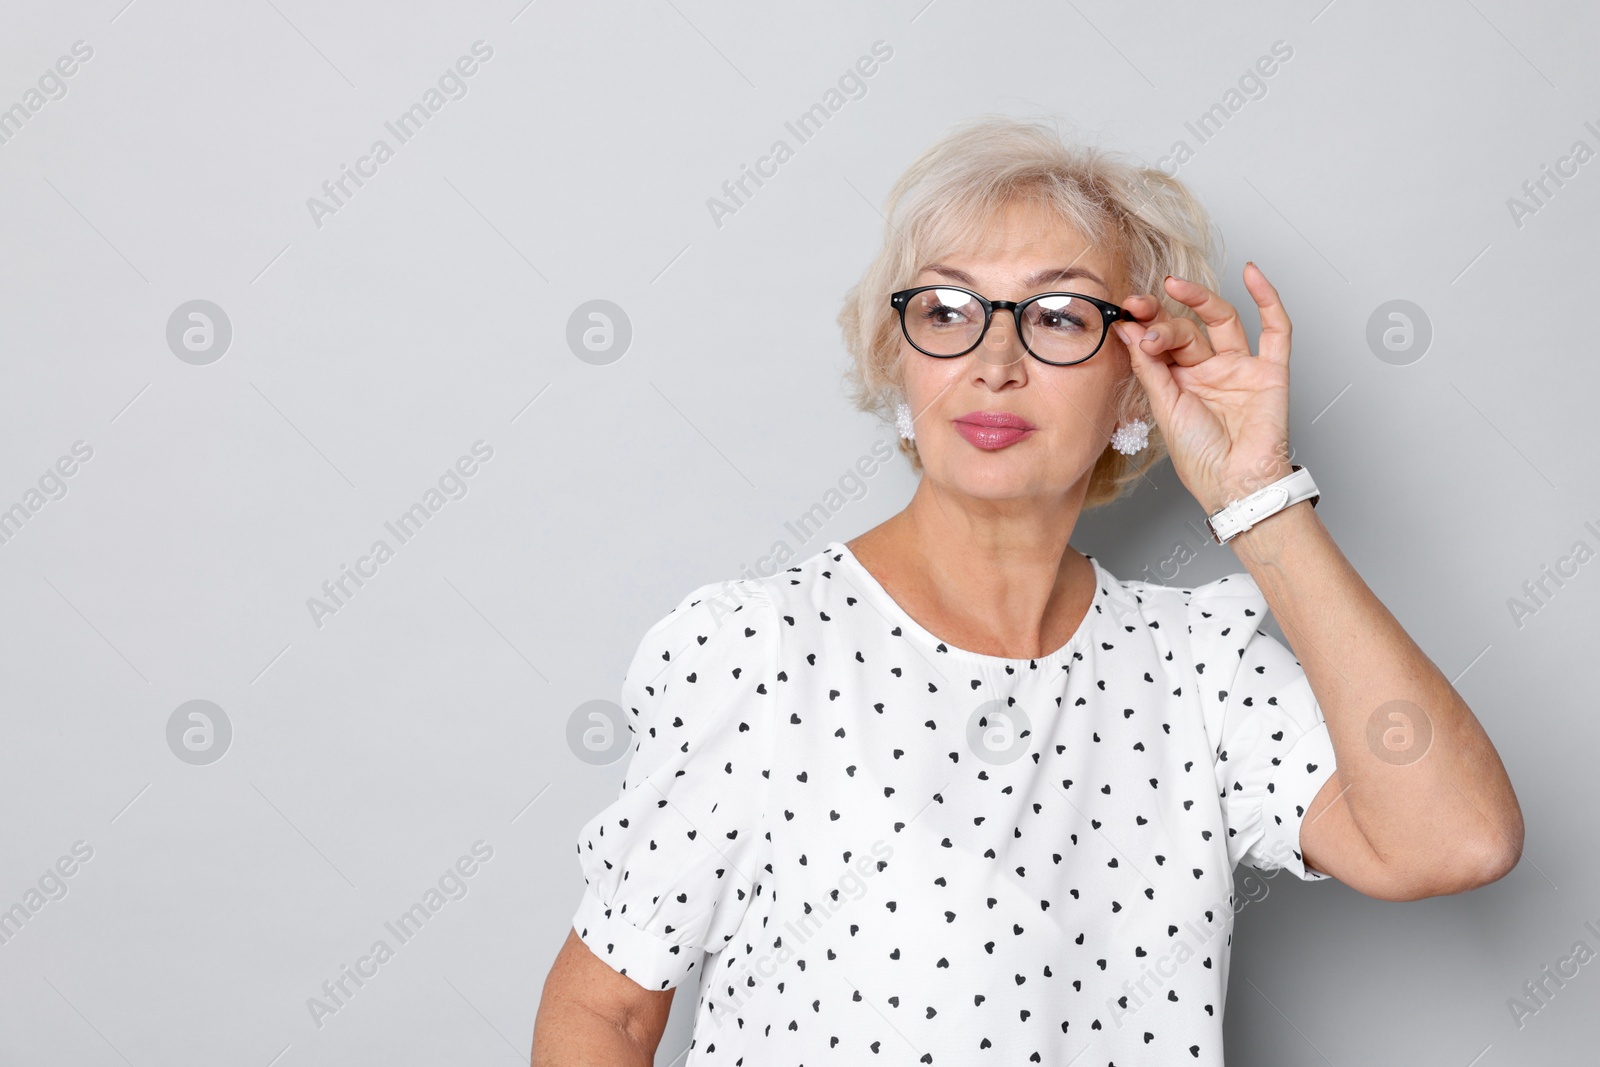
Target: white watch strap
<point>1242,514</point>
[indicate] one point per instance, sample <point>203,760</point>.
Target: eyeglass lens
<point>948,322</point>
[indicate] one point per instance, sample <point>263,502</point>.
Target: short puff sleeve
<point>1269,738</point>
<point>672,863</point>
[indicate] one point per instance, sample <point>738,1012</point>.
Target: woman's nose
<point>1001,345</point>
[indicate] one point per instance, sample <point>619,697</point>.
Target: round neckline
<point>903,619</point>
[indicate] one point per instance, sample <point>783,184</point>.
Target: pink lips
<point>991,430</point>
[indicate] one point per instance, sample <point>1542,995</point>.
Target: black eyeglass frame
<point>1109,313</point>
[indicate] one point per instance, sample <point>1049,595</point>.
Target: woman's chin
<point>989,476</point>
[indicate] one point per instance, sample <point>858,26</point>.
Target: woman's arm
<point>1398,825</point>
<point>591,1016</point>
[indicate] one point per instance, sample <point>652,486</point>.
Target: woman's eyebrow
<point>1033,281</point>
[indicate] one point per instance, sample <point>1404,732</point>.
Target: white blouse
<point>865,841</point>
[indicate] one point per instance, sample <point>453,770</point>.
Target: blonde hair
<point>945,199</point>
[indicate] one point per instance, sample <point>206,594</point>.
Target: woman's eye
<point>1056,320</point>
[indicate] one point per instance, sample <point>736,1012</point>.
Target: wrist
<point>1239,486</point>
<point>1264,540</point>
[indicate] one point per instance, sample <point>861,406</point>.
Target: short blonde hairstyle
<point>957,187</point>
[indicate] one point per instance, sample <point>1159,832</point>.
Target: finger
<point>1276,329</point>
<point>1153,373</point>
<point>1222,321</point>
<point>1180,339</point>
<point>1145,308</point>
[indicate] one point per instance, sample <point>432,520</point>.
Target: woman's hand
<point>1223,412</point>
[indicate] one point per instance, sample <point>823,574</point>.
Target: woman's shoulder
<point>709,606</point>
<point>1238,585</point>
<point>778,586</point>
<point>1219,604</point>
<point>782,577</point>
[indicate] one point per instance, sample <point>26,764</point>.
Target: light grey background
<point>431,311</point>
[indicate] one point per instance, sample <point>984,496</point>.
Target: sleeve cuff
<point>649,960</point>
<point>1308,765</point>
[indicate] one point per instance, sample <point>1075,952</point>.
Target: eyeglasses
<point>1060,329</point>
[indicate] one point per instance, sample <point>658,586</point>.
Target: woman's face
<point>1069,409</point>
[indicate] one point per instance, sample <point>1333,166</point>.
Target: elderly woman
<point>951,792</point>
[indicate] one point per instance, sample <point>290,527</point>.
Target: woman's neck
<point>1007,586</point>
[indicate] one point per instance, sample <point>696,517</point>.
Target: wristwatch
<point>1244,513</point>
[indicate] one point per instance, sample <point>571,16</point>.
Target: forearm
<point>1426,788</point>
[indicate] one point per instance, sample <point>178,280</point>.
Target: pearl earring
<point>1132,438</point>
<point>902,421</point>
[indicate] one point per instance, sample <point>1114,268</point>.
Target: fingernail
<point>1150,335</point>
